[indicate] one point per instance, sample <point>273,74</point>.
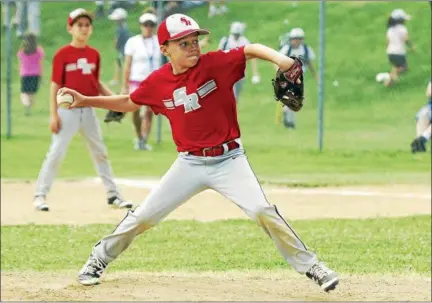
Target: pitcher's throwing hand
<point>78,98</point>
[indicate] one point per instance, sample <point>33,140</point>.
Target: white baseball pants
<point>231,176</point>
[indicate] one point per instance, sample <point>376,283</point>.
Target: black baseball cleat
<point>323,276</point>
<point>119,202</point>
<point>92,271</point>
<point>418,145</point>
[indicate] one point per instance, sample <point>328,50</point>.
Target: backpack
<point>224,46</point>
<point>304,59</point>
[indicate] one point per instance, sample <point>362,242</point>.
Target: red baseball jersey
<point>199,103</point>
<point>77,68</point>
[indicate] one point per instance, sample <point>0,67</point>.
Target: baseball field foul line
<point>152,183</point>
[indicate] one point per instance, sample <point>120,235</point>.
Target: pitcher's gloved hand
<point>287,88</point>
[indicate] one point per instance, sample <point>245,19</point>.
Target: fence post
<point>321,75</point>
<point>159,117</point>
<point>8,69</point>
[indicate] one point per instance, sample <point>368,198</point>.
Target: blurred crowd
<point>25,16</point>
<point>131,66</point>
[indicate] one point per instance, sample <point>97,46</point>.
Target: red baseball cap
<point>178,26</point>
<point>78,13</point>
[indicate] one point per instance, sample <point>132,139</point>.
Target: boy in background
<point>119,15</point>
<point>76,65</point>
<point>298,48</point>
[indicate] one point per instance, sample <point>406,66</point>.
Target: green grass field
<point>368,128</point>
<point>351,246</point>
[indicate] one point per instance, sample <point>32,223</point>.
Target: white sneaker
<point>382,77</point>
<point>326,278</point>
<point>142,145</point>
<point>40,204</point>
<point>92,271</point>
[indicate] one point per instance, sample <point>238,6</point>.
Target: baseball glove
<point>113,116</point>
<point>286,88</point>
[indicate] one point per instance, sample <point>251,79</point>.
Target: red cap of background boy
<point>178,26</point>
<point>79,12</point>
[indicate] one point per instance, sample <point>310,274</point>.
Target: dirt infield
<point>84,202</point>
<point>208,286</point>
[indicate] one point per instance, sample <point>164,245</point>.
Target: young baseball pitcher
<point>77,66</point>
<point>195,93</point>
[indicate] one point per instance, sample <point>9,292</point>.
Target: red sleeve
<point>232,63</point>
<point>57,69</point>
<point>146,94</point>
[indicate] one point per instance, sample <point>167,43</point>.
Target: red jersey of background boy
<point>199,103</point>
<point>77,68</point>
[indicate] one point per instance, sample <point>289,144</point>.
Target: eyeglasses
<point>148,24</point>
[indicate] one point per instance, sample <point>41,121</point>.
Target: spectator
<point>423,124</point>
<point>100,6</point>
<point>119,15</point>
<point>100,9</point>
<point>28,15</point>
<point>213,10</point>
<point>142,57</point>
<point>298,48</point>
<point>192,4</point>
<point>30,57</point>
<point>172,7</point>
<point>397,41</point>
<point>13,21</point>
<point>235,39</point>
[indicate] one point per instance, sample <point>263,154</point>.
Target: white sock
<point>25,99</point>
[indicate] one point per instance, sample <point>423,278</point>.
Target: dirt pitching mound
<point>229,286</point>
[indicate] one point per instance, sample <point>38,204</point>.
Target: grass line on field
<point>391,246</point>
<point>294,180</point>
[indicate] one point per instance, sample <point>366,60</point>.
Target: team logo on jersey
<point>82,64</point>
<point>190,101</point>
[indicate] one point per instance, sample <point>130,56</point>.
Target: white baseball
<point>256,79</point>
<point>336,83</point>
<point>64,100</point>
